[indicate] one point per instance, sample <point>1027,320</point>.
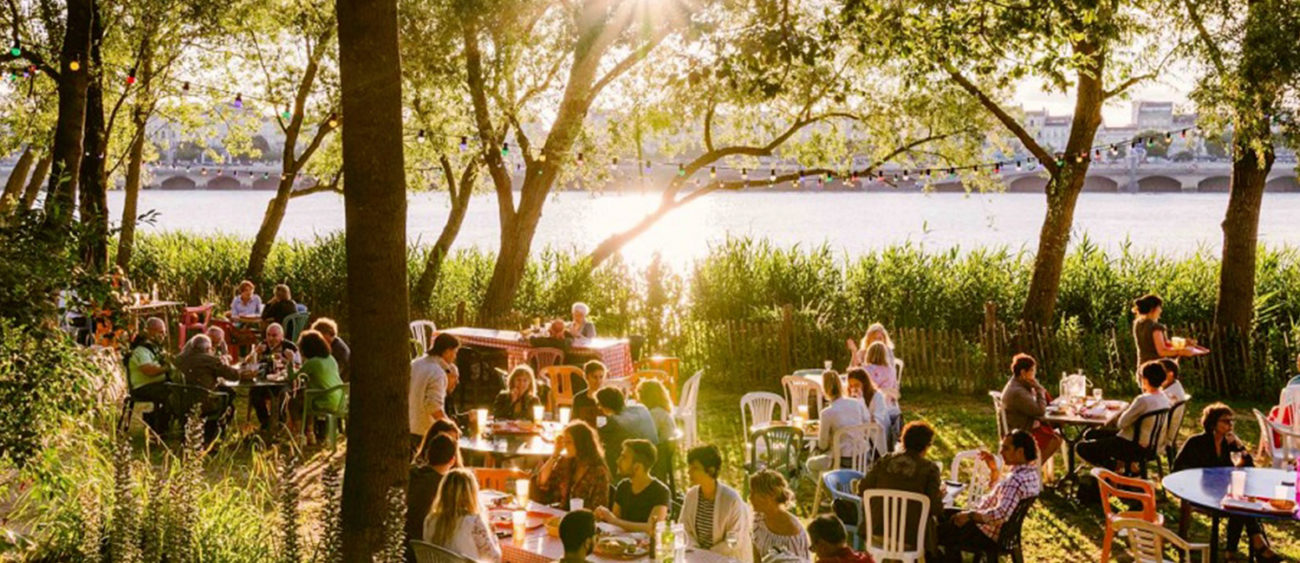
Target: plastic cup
<point>576,504</point>
<point>537,413</point>
<point>480,420</point>
<point>564,416</point>
<point>828,365</point>
<point>520,520</point>
<point>1238,488</point>
<point>521,491</point>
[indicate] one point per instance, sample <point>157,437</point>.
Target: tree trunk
<point>14,186</point>
<point>271,221</point>
<point>375,211</point>
<point>460,197</point>
<point>93,176</point>
<point>68,129</point>
<point>516,244</point>
<point>130,204</point>
<point>37,180</point>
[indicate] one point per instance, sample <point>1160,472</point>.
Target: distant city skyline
<point>1032,96</point>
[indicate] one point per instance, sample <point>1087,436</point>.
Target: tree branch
<point>636,56</point>
<point>1044,157</point>
<point>331,186</point>
<point>483,122</point>
<point>1216,55</point>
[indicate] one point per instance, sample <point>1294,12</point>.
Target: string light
<point>773,176</point>
<point>333,121</point>
<point>74,66</point>
<point>15,50</point>
<point>130,77</point>
<point>713,172</point>
<point>464,143</point>
<point>681,170</point>
<point>418,138</point>
<point>580,161</point>
<point>239,101</point>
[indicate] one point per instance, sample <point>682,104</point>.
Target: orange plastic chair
<point>499,479</point>
<point>194,319</point>
<point>667,364</point>
<point>561,378</point>
<point>1114,485</point>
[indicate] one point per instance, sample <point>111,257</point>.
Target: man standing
<point>147,371</point>
<point>977,530</point>
<point>433,377</point>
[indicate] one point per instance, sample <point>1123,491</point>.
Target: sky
<point>1174,88</point>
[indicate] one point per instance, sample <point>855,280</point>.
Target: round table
<point>507,446</point>
<point>1204,489</point>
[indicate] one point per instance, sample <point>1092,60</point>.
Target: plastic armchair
<point>1147,541</point>
<point>182,398</point>
<point>194,319</point>
<point>997,411</point>
<point>1278,456</point>
<point>979,479</point>
<point>561,378</point>
<point>332,418</point>
<point>1152,425</point>
<point>809,372</point>
<point>895,510</point>
<point>426,552</point>
<point>1115,486</point>
<point>294,325</point>
<point>667,364</point>
<point>840,484</point>
<point>1170,442</point>
<point>422,332</point>
<point>686,410</point>
<point>498,479</point>
<point>542,358</point>
<point>1009,535</point>
<point>801,391</point>
<point>855,444</point>
<point>761,407</point>
<point>779,448</point>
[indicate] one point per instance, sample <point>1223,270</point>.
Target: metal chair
<point>1113,485</point>
<point>761,407</point>
<point>422,333</point>
<point>498,479</point>
<point>840,484</point>
<point>294,325</point>
<point>686,410</point>
<point>426,552</point>
<point>1170,442</point>
<point>896,507</point>
<point>332,418</point>
<point>1147,541</point>
<point>1009,535</point>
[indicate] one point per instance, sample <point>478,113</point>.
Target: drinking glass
<point>564,416</point>
<point>1237,459</point>
<point>828,365</point>
<point>1096,394</point>
<point>537,413</point>
<point>732,540</point>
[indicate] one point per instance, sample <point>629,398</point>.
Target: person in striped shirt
<point>977,530</point>
<point>715,516</point>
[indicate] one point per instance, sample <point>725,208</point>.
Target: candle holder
<point>537,413</point>
<point>564,416</point>
<point>480,421</point>
<point>521,491</point>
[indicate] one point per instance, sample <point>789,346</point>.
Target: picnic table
<point>1205,489</point>
<point>615,353</point>
<point>502,446</point>
<point>1069,418</point>
<point>537,545</point>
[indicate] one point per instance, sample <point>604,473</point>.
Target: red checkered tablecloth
<point>615,353</point>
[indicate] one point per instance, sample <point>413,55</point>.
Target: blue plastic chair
<point>294,325</point>
<point>840,484</point>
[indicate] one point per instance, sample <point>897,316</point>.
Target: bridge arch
<point>1214,184</point>
<point>1028,185</point>
<point>1100,184</point>
<point>1282,184</point>
<point>266,184</point>
<point>1159,184</point>
<point>224,182</point>
<point>178,183</point>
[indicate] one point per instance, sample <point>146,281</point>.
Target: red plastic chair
<point>498,479</point>
<point>1114,485</point>
<point>194,319</point>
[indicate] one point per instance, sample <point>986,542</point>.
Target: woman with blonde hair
<point>776,530</point>
<point>880,368</point>
<point>517,400</point>
<point>842,412</point>
<point>653,394</point>
<point>875,333</point>
<point>456,522</point>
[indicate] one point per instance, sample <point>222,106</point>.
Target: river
<point>855,223</point>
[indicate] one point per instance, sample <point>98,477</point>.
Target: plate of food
<point>506,519</point>
<point>514,427</point>
<point>622,547</point>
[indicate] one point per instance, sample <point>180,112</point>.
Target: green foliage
<point>41,380</point>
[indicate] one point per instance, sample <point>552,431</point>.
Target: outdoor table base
<point>247,388</point>
<point>1079,425</point>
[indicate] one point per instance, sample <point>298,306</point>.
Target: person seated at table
<point>456,520</point>
<point>1172,387</point>
<point>584,399</point>
<point>198,366</point>
<point>875,333</point>
<point>274,352</point>
<point>880,367</point>
<point>622,422</point>
<point>977,529</point>
<point>843,412</point>
<point>1152,338</point>
<point>147,370</point>
<point>280,306</point>
<point>1114,448</point>
<point>640,500</point>
<point>906,470</point>
<point>436,458</point>
<point>338,348</point>
<point>433,376</point>
<point>246,305</point>
<point>320,372</point>
<point>714,515</point>
<point>580,327</point>
<point>775,529</point>
<point>554,337</point>
<point>575,471</point>
<point>652,394</point>
<point>1024,404</point>
<point>578,534</point>
<point>1214,447</point>
<point>862,388</point>
<point>517,400</point>
<point>830,542</point>
<point>220,348</point>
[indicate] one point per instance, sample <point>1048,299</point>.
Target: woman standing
<point>456,521</point>
<point>575,471</point>
<point>776,530</point>
<point>517,400</point>
<point>1151,337</point>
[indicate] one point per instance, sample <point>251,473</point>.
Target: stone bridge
<point>1206,177</point>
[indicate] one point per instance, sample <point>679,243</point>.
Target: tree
<point>1069,44</point>
<point>1155,143</point>
<point>378,451</point>
<point>1253,71</point>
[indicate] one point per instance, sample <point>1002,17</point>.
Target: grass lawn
<point>1058,528</point>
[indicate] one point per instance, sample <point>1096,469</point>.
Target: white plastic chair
<point>761,407</point>
<point>895,508</point>
<point>1279,457</point>
<point>979,480</point>
<point>1147,541</point>
<point>422,332</point>
<point>685,411</point>
<point>997,411</point>
<point>859,444</point>
<point>1289,398</point>
<point>800,391</point>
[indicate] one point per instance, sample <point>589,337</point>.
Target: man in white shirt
<point>1172,387</point>
<point>1114,449</point>
<point>433,376</point>
<point>844,411</point>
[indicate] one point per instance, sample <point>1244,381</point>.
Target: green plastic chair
<point>294,325</point>
<point>333,419</point>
